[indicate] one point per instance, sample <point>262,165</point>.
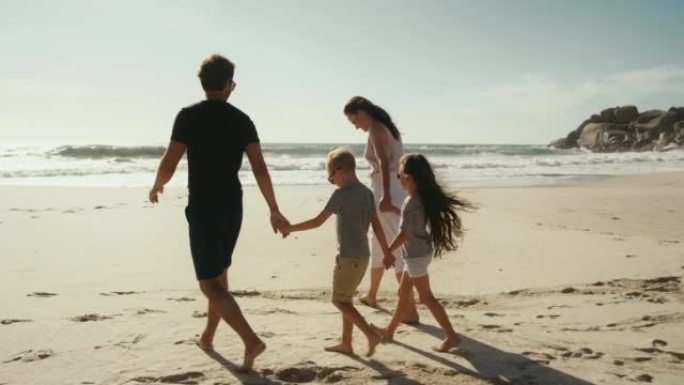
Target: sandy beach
<point>577,283</point>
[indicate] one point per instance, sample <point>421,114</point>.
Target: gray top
<point>413,223</point>
<point>354,205</point>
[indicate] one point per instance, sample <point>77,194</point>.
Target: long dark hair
<point>441,207</point>
<point>359,103</point>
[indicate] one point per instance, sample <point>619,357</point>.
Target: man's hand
<point>388,261</point>
<point>387,206</point>
<point>154,193</point>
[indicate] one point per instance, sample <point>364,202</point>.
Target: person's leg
<point>224,304</point>
<point>213,318</point>
<point>451,339</point>
<point>411,316</point>
<point>345,345</point>
<point>353,316</point>
<point>405,291</point>
<point>371,298</point>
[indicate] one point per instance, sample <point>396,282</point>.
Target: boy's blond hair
<point>341,158</point>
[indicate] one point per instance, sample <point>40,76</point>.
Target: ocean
<point>457,165</point>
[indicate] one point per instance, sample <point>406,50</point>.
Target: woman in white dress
<point>383,151</point>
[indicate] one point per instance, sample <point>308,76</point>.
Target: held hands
<point>154,193</point>
<point>387,206</point>
<point>388,260</point>
<point>279,223</point>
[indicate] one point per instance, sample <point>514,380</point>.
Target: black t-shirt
<point>215,134</point>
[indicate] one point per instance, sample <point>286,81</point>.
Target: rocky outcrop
<point>625,129</point>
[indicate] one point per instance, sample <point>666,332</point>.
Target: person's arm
<point>378,137</point>
<point>398,241</point>
<point>260,171</point>
<point>388,259</point>
<point>167,167</point>
<point>308,225</point>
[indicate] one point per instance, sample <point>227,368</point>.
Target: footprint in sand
<point>272,311</point>
<point>644,378</point>
<point>539,357</point>
<point>41,294</point>
<point>12,321</point>
<point>189,378</point>
<point>148,311</point>
<point>493,314</point>
<point>312,373</point>
<point>496,328</point>
<point>129,342</point>
<point>583,353</point>
<point>181,299</point>
<point>199,314</point>
<point>90,317</point>
<point>31,355</point>
<point>111,293</point>
<point>245,293</point>
<point>100,207</point>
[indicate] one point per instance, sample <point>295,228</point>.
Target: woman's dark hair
<point>441,208</point>
<point>359,103</point>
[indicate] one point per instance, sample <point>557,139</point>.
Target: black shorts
<point>214,230</point>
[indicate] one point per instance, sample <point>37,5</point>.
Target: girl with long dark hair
<point>430,225</point>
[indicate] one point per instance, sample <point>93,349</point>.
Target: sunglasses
<point>332,174</point>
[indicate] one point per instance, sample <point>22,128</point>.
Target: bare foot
<point>251,353</point>
<point>385,337</point>
<point>412,318</point>
<point>340,348</point>
<point>205,343</point>
<point>369,302</point>
<point>373,340</point>
<point>448,344</point>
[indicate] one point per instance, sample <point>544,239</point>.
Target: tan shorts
<point>347,276</point>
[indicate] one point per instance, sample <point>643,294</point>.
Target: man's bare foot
<point>448,344</point>
<point>384,335</point>
<point>251,353</point>
<point>340,348</point>
<point>205,343</point>
<point>369,302</point>
<point>373,340</point>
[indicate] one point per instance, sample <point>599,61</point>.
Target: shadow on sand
<point>245,377</point>
<point>496,365</point>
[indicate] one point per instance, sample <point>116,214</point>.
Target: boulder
<point>650,124</point>
<point>608,115</point>
<point>626,114</point>
<point>624,129</point>
<point>602,137</point>
<point>678,133</point>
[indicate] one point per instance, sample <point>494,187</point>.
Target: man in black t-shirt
<point>215,135</point>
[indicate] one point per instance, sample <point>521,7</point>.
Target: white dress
<point>389,220</point>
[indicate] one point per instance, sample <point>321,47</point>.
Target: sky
<point>505,72</point>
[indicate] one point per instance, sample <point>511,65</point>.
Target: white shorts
<point>417,267</point>
<point>389,221</point>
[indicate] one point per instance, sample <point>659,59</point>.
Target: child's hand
<point>388,261</point>
<point>284,228</point>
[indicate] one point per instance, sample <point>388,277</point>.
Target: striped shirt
<point>353,204</point>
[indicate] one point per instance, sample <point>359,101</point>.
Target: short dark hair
<point>215,72</point>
